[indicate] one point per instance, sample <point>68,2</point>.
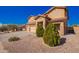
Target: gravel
<point>29,43</point>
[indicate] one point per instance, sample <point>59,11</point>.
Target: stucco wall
<point>62,28</point>
<point>41,19</point>
<point>31,20</point>
<point>57,13</point>
<point>31,28</point>
<point>76,29</point>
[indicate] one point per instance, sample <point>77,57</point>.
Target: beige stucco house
<point>31,26</point>
<point>57,15</point>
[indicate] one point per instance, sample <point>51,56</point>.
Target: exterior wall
<point>41,19</point>
<point>57,13</point>
<point>31,28</point>
<point>31,20</point>
<point>62,28</point>
<point>76,29</point>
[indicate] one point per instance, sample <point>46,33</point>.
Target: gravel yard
<point>32,44</point>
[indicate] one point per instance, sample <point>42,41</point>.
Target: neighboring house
<point>57,15</point>
<point>22,27</point>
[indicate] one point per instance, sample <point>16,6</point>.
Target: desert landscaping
<point>46,33</point>
<point>29,43</point>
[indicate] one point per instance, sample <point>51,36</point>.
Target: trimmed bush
<point>13,39</point>
<point>51,35</point>
<point>39,31</point>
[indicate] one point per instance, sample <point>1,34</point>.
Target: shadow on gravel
<point>62,41</point>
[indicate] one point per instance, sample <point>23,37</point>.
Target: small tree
<point>3,28</point>
<point>51,35</point>
<point>39,31</point>
<point>12,27</point>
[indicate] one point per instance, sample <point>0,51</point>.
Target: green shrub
<point>13,39</point>
<point>12,27</point>
<point>51,36</point>
<point>8,27</point>
<point>3,28</point>
<point>39,31</point>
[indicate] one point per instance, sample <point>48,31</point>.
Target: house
<point>57,15</point>
<point>22,27</point>
<point>31,26</point>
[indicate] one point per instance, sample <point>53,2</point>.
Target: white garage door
<point>32,29</point>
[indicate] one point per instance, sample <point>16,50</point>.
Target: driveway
<point>29,43</point>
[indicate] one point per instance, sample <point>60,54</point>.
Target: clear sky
<point>20,14</point>
<point>73,12</point>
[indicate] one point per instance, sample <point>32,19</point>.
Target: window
<point>57,26</point>
<point>40,23</point>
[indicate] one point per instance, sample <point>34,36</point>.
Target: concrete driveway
<point>32,44</point>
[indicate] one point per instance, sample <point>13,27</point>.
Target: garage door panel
<point>33,29</point>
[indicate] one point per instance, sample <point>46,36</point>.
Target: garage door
<point>32,29</point>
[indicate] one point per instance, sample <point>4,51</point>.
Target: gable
<point>31,20</point>
<point>40,19</point>
<point>57,13</point>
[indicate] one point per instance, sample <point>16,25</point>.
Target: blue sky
<point>20,14</point>
<point>73,12</point>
